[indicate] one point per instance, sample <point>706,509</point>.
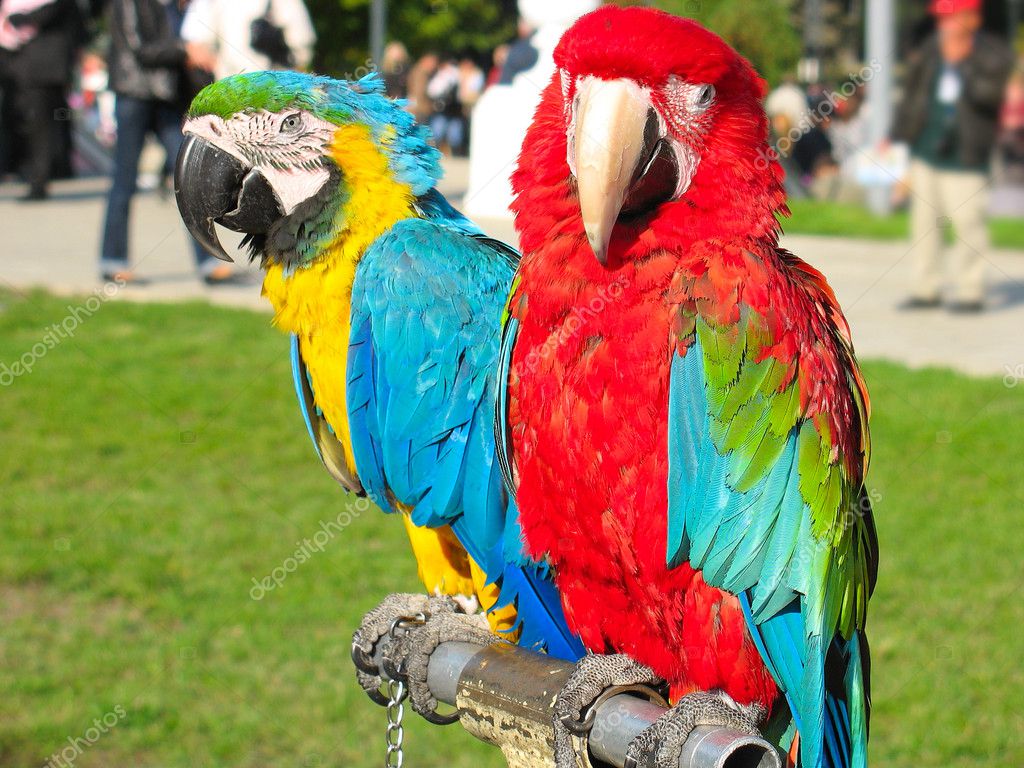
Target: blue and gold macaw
<point>393,301</point>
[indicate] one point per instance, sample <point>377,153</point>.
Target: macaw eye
<point>704,96</point>
<point>291,124</point>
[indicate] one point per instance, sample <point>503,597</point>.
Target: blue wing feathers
<point>539,612</point>
<point>529,586</point>
<point>854,681</point>
<point>687,451</point>
<point>757,544</point>
<point>362,416</point>
<point>298,376</point>
<point>426,308</point>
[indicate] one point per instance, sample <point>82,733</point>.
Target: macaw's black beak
<point>212,186</point>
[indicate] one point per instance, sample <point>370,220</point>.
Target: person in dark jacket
<point>522,55</point>
<point>147,66</point>
<point>954,89</point>
<point>40,40</point>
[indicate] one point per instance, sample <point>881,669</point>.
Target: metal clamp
<point>584,725</point>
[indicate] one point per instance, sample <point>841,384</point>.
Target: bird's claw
<point>381,625</point>
<point>409,654</point>
<point>661,744</point>
<point>594,679</point>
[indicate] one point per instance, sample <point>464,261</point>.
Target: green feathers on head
<point>275,92</point>
<point>410,155</point>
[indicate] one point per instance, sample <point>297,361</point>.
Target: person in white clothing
<point>225,28</point>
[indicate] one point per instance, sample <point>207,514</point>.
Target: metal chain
<point>395,734</point>
<point>397,694</point>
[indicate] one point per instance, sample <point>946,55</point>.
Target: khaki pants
<point>940,198</point>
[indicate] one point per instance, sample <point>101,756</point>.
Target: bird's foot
<point>407,656</point>
<point>469,604</point>
<point>381,625</point>
<point>661,745</point>
<point>587,685</point>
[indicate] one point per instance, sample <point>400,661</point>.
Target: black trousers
<point>9,129</point>
<point>41,109</point>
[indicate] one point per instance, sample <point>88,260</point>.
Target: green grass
<point>155,463</point>
<point>816,217</point>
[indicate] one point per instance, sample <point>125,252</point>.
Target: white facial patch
<point>685,105</point>
<point>688,161</point>
<point>685,111</point>
<point>288,148</point>
<point>294,185</point>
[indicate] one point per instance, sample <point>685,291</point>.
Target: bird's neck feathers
<point>737,191</point>
<point>314,300</point>
<point>367,200</point>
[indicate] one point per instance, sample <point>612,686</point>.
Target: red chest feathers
<point>589,403</point>
<point>588,412</point>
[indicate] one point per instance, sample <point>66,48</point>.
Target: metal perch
<point>505,696</point>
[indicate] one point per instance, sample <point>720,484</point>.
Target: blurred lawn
<point>155,463</point>
<point>816,217</point>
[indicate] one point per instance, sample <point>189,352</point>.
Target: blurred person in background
<point>471,84</point>
<point>849,131</point>
<point>416,86</point>
<point>522,54</point>
<point>838,138</point>
<point>953,93</point>
<point>1011,141</point>
<point>498,58</point>
<point>250,35</point>
<point>812,152</point>
<point>788,108</point>
<point>8,114</point>
<point>147,65</point>
<point>454,90</point>
<point>40,40</point>
<point>394,69</point>
<point>446,121</point>
<point>788,117</point>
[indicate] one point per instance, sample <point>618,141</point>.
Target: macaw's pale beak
<point>211,186</point>
<point>623,165</point>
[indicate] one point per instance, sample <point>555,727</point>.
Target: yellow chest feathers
<point>314,302</point>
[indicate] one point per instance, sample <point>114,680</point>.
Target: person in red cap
<point>950,114</point>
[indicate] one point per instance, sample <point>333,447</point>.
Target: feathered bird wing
<point>426,307</point>
<point>767,451</point>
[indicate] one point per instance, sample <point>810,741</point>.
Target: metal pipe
<point>446,666</point>
<point>881,54</point>
<point>378,30</point>
<point>505,695</point>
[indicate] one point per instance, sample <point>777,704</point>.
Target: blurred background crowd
<point>69,58</point>
<point>87,85</point>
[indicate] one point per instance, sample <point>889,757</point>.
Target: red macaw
<point>683,419</point>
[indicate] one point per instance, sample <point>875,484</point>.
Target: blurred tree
<point>839,39</point>
<point>763,31</point>
<point>444,25</point>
